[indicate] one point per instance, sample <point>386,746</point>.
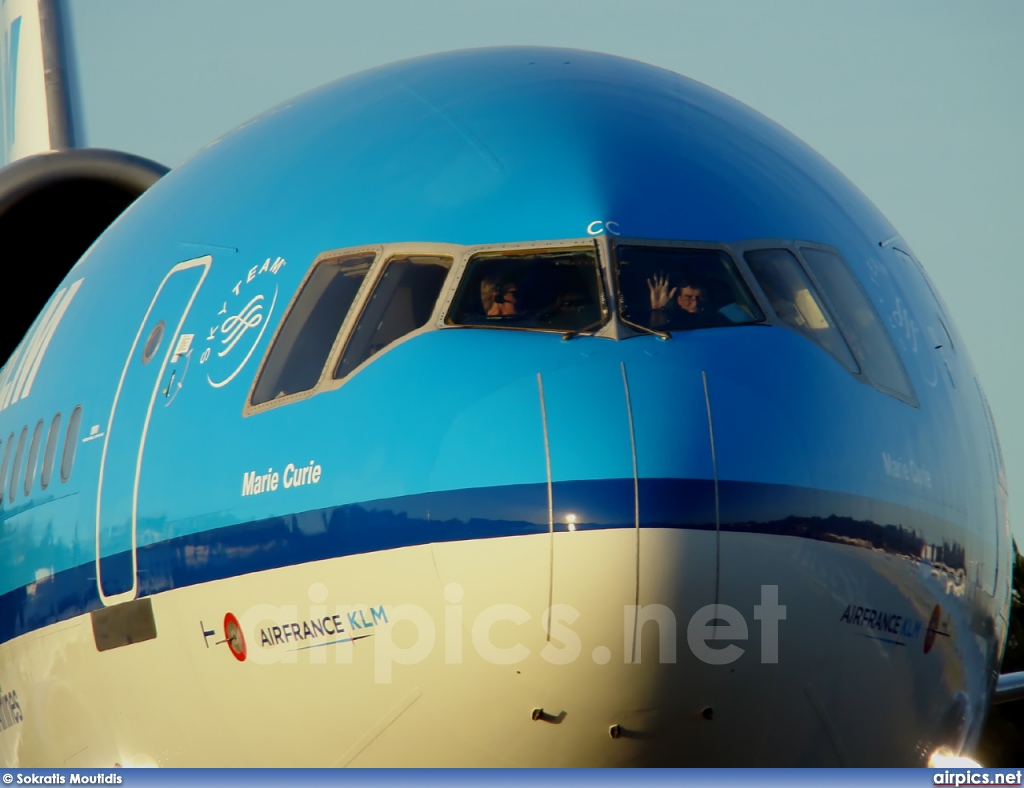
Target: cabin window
<point>555,290</point>
<point>3,466</point>
<point>19,454</point>
<point>672,288</point>
<point>307,334</point>
<point>50,453</point>
<point>859,321</point>
<point>796,301</point>
<point>33,457</point>
<point>67,460</point>
<point>403,300</point>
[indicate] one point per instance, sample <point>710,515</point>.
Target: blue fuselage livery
<point>540,406</point>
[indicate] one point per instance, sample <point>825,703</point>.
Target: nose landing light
<point>943,758</point>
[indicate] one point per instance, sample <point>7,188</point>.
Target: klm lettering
<point>357,619</point>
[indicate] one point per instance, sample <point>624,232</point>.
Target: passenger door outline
<point>167,346</point>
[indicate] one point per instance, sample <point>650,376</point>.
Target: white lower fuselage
<point>454,674</point>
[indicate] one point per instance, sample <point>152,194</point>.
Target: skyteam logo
<point>17,377</point>
<point>12,39</point>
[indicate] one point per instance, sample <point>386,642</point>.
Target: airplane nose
<point>632,499</point>
<point>589,451</point>
<point>623,551</point>
<point>677,493</point>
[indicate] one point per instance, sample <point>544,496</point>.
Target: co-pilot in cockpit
<point>677,288</point>
<point>554,290</point>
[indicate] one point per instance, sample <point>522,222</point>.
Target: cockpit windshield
<point>554,290</point>
<point>358,304</point>
<point>673,288</point>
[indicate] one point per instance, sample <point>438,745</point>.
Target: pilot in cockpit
<point>499,297</point>
<point>697,304</point>
<point>693,299</point>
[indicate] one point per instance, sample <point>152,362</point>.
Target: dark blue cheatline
<point>484,513</point>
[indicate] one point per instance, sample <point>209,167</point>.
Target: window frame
<point>611,325</point>
<point>909,397</point>
<point>362,300</point>
<point>467,253</point>
<point>794,246</point>
<point>50,450</point>
<point>822,303</point>
<point>32,460</point>
<point>324,258</point>
<point>729,250</point>
<point>382,254</point>
<point>70,448</point>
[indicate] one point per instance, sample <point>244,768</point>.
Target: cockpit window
<point>674,288</point>
<point>403,300</point>
<point>795,301</point>
<point>356,303</point>
<point>859,321</point>
<point>309,329</point>
<point>554,290</point>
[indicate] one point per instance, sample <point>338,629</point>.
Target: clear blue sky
<point>920,103</point>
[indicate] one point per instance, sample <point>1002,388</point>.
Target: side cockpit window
<point>402,301</point>
<point>672,288</point>
<point>552,290</point>
<point>796,302</point>
<point>304,341</point>
<point>827,304</point>
<point>859,322</point>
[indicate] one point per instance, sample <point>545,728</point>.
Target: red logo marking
<point>235,638</point>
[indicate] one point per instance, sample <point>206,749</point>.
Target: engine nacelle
<point>52,207</point>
